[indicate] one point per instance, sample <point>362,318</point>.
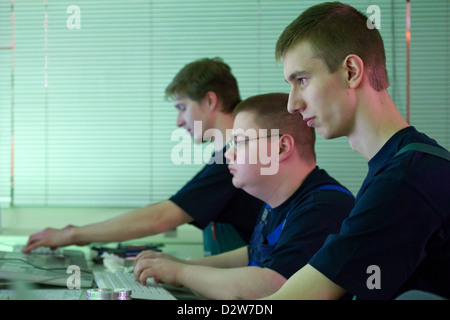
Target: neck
<point>286,183</point>
<point>377,120</point>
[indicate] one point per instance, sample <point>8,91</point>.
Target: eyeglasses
<point>234,143</point>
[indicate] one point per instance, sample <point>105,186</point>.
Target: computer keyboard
<point>40,250</point>
<point>117,280</point>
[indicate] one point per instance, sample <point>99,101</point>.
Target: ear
<point>354,68</point>
<point>211,100</point>
<point>287,146</point>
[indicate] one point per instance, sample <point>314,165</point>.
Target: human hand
<point>151,254</point>
<point>50,237</point>
<point>162,270</point>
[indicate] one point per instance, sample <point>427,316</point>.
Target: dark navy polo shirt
<point>398,234</point>
<point>313,215</point>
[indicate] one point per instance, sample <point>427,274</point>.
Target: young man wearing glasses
<point>303,206</point>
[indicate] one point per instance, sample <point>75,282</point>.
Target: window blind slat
<point>100,133</point>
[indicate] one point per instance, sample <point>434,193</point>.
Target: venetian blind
<point>86,105</point>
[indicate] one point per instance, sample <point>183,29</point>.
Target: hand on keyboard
<point>162,270</point>
<point>117,280</point>
<point>40,250</point>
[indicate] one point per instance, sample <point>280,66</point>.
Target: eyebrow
<point>297,74</point>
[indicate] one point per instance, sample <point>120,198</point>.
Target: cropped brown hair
<point>195,79</point>
<point>336,30</point>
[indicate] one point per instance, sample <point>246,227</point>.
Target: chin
<point>327,134</point>
<point>239,184</point>
<point>235,182</point>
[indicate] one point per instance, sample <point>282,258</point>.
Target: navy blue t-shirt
<point>397,237</point>
<point>313,215</point>
<point>211,196</point>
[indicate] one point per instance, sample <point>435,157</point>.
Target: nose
<point>230,154</point>
<point>295,102</point>
<point>180,120</point>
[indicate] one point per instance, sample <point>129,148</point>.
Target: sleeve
<point>205,195</point>
<point>306,229</point>
<point>389,223</point>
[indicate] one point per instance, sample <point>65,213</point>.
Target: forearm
<point>147,221</point>
<point>308,284</point>
<point>211,277</point>
<point>234,283</point>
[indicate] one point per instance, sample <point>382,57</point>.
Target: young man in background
<point>206,91</point>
